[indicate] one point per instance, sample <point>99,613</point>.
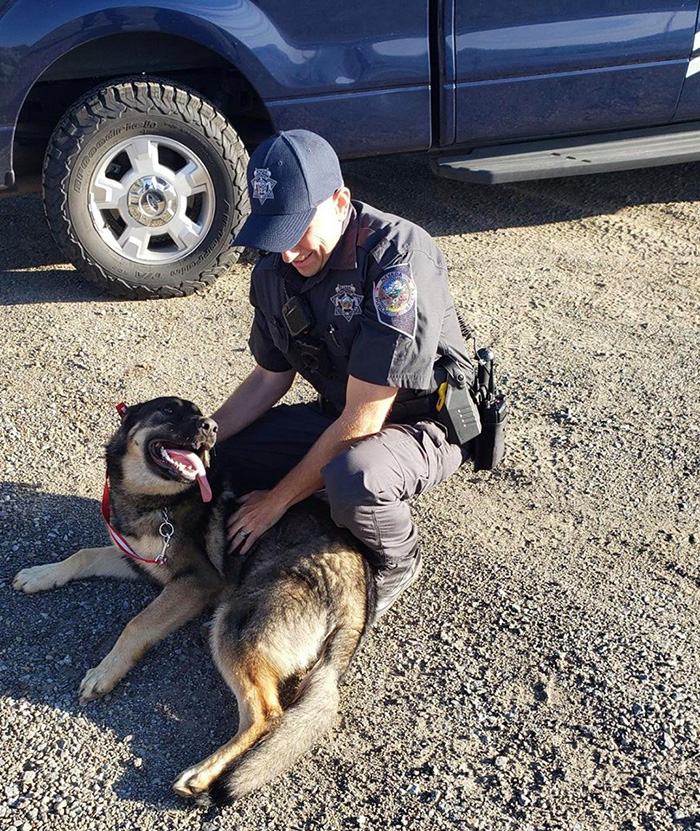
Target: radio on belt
<point>474,412</point>
<point>456,408</point>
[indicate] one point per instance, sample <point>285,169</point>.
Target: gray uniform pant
<point>367,486</point>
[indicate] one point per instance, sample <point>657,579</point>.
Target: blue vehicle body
<point>541,69</point>
<point>361,80</point>
<point>372,77</point>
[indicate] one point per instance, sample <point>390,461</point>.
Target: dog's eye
<point>167,410</point>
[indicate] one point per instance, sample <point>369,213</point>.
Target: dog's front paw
<point>38,578</point>
<point>100,680</point>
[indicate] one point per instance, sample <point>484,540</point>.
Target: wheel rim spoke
<point>183,232</point>
<point>134,242</point>
<point>108,194</point>
<point>192,179</point>
<point>143,155</point>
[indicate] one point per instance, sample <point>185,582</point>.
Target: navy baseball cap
<point>289,175</point>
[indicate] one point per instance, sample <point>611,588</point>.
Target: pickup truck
<point>139,116</point>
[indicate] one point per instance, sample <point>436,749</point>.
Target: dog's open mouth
<point>183,463</point>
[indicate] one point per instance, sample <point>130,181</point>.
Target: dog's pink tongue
<point>186,457</point>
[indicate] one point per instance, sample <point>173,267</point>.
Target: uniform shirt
<point>381,308</point>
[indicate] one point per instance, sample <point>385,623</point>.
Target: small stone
<point>668,742</point>
<point>501,762</point>
<point>138,761</point>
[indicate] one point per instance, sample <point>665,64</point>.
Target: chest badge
<point>263,185</point>
<point>347,302</point>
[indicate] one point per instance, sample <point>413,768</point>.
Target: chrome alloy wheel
<point>151,200</point>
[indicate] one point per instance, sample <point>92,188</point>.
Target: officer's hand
<point>259,511</point>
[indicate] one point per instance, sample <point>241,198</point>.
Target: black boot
<point>394,579</point>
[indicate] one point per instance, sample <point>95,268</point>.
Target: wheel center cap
<point>152,201</point>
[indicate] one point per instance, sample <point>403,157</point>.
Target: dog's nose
<point>208,424</point>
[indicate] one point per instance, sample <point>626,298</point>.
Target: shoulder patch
<point>395,296</point>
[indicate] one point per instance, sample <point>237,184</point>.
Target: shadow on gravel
<point>27,256</point>
<point>20,288</point>
<point>171,711</point>
<point>405,185</point>
<point>25,239</point>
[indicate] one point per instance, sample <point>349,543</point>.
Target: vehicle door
<point>689,105</point>
<point>550,67</point>
<point>358,73</point>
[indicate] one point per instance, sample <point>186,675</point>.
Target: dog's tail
<point>302,724</point>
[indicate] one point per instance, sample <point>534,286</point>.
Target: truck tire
<point>145,188</point>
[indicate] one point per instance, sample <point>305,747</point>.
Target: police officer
<point>355,301</point>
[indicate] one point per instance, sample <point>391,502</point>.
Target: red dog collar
<point>117,538</point>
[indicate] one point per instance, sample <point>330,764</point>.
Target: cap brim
<point>274,232</point>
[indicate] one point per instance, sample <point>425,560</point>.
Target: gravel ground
<point>544,672</point>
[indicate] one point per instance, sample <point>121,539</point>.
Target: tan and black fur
<point>289,615</point>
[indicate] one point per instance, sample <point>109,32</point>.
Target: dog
<point>289,616</point>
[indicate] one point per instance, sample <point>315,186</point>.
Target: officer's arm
<point>366,409</point>
<point>261,390</point>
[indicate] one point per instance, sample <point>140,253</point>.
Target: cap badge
<point>347,302</point>
<point>263,184</point>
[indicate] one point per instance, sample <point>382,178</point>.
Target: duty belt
<point>402,411</point>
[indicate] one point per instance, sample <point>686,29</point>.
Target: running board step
<point>574,157</point>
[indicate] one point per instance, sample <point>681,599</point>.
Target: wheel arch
<point>204,60</point>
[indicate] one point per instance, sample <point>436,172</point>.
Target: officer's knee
<point>343,481</point>
<point>361,476</point>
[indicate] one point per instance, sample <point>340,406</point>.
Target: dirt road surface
<point>545,671</point>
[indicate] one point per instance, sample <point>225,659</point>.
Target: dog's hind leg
<point>256,688</point>
<point>88,562</point>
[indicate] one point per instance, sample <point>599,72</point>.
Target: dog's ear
<point>128,414</point>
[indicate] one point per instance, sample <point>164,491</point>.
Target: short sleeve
<point>401,322</point>
<point>260,342</point>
